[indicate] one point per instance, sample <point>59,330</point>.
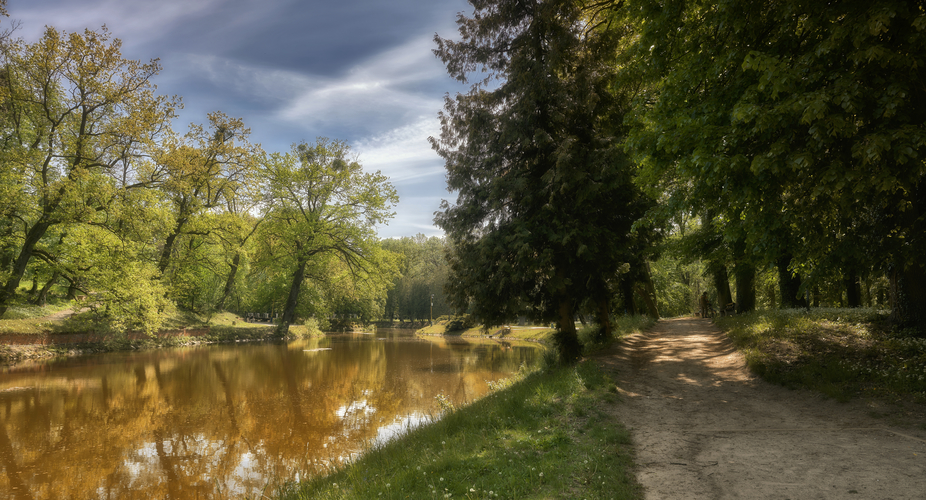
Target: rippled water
<point>221,421</point>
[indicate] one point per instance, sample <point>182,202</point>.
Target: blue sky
<point>355,70</point>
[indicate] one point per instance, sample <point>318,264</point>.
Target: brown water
<point>222,421</point>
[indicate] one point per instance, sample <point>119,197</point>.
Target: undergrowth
<point>842,353</point>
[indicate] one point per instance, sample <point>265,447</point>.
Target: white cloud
<point>144,21</point>
<point>380,93</point>
<point>376,90</point>
<point>404,153</point>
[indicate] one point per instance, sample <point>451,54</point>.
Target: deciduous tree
<point>80,125</point>
<point>320,207</point>
<point>806,118</point>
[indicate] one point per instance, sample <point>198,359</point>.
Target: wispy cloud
<point>144,21</point>
<point>404,153</point>
<point>379,91</point>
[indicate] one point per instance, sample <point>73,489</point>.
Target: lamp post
<point>431,314</point>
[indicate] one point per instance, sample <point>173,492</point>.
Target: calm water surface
<point>222,421</point>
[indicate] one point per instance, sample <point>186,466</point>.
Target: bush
<point>459,322</point>
<point>313,328</point>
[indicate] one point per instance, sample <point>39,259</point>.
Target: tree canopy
<point>546,201</point>
<point>799,123</point>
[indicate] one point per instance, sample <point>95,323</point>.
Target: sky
<point>361,71</point>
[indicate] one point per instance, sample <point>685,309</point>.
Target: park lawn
<point>842,353</point>
<point>531,333</point>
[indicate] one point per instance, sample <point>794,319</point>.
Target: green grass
<point>623,325</point>
<point>514,332</point>
<point>842,353</point>
<point>547,435</point>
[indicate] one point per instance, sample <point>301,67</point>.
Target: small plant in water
<point>446,405</point>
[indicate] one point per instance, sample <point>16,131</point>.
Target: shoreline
<point>15,348</point>
<point>19,347</point>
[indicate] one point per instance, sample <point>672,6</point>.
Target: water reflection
<point>220,421</point>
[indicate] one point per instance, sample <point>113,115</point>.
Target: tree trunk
<point>230,281</point>
<point>604,318</point>
<point>853,289</point>
<point>651,309</point>
<point>72,288</point>
<point>721,284</point>
<point>908,297</point>
<point>19,266</point>
<point>626,286</point>
<point>650,292</point>
<point>565,338</point>
<point>289,310</point>
<point>744,272</point>
<point>790,284</point>
<point>166,251</point>
<point>42,297</point>
<point>745,275</point>
<point>169,242</point>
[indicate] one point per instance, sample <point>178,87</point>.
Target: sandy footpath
<point>704,427</point>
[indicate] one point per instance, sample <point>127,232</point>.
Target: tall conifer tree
<point>545,200</point>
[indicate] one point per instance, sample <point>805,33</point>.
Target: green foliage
<point>319,223</point>
<point>96,187</point>
<point>545,207</point>
<point>132,299</point>
<point>79,123</point>
<point>802,130</point>
<point>418,292</point>
<point>459,322</point>
<point>314,327</point>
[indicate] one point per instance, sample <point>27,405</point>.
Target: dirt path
<point>704,427</point>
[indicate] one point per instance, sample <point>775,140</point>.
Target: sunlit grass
<point>842,353</point>
<point>511,332</point>
<point>547,435</point>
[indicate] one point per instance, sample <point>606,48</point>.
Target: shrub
<point>459,322</point>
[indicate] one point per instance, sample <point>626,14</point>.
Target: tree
<point>206,170</point>
<point>545,201</point>
<point>423,276</point>
<point>80,125</point>
<point>321,207</point>
<point>796,114</point>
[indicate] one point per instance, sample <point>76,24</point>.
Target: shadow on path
<point>704,427</point>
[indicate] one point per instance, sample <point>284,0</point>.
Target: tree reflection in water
<point>222,421</point>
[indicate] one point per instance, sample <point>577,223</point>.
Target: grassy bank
<point>624,325</point>
<point>26,322</point>
<point>514,332</point>
<point>843,353</point>
<point>542,434</point>
<point>546,435</point>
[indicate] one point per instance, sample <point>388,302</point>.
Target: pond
<point>221,421</point>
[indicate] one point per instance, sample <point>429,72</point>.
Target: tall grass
<point>842,353</point>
